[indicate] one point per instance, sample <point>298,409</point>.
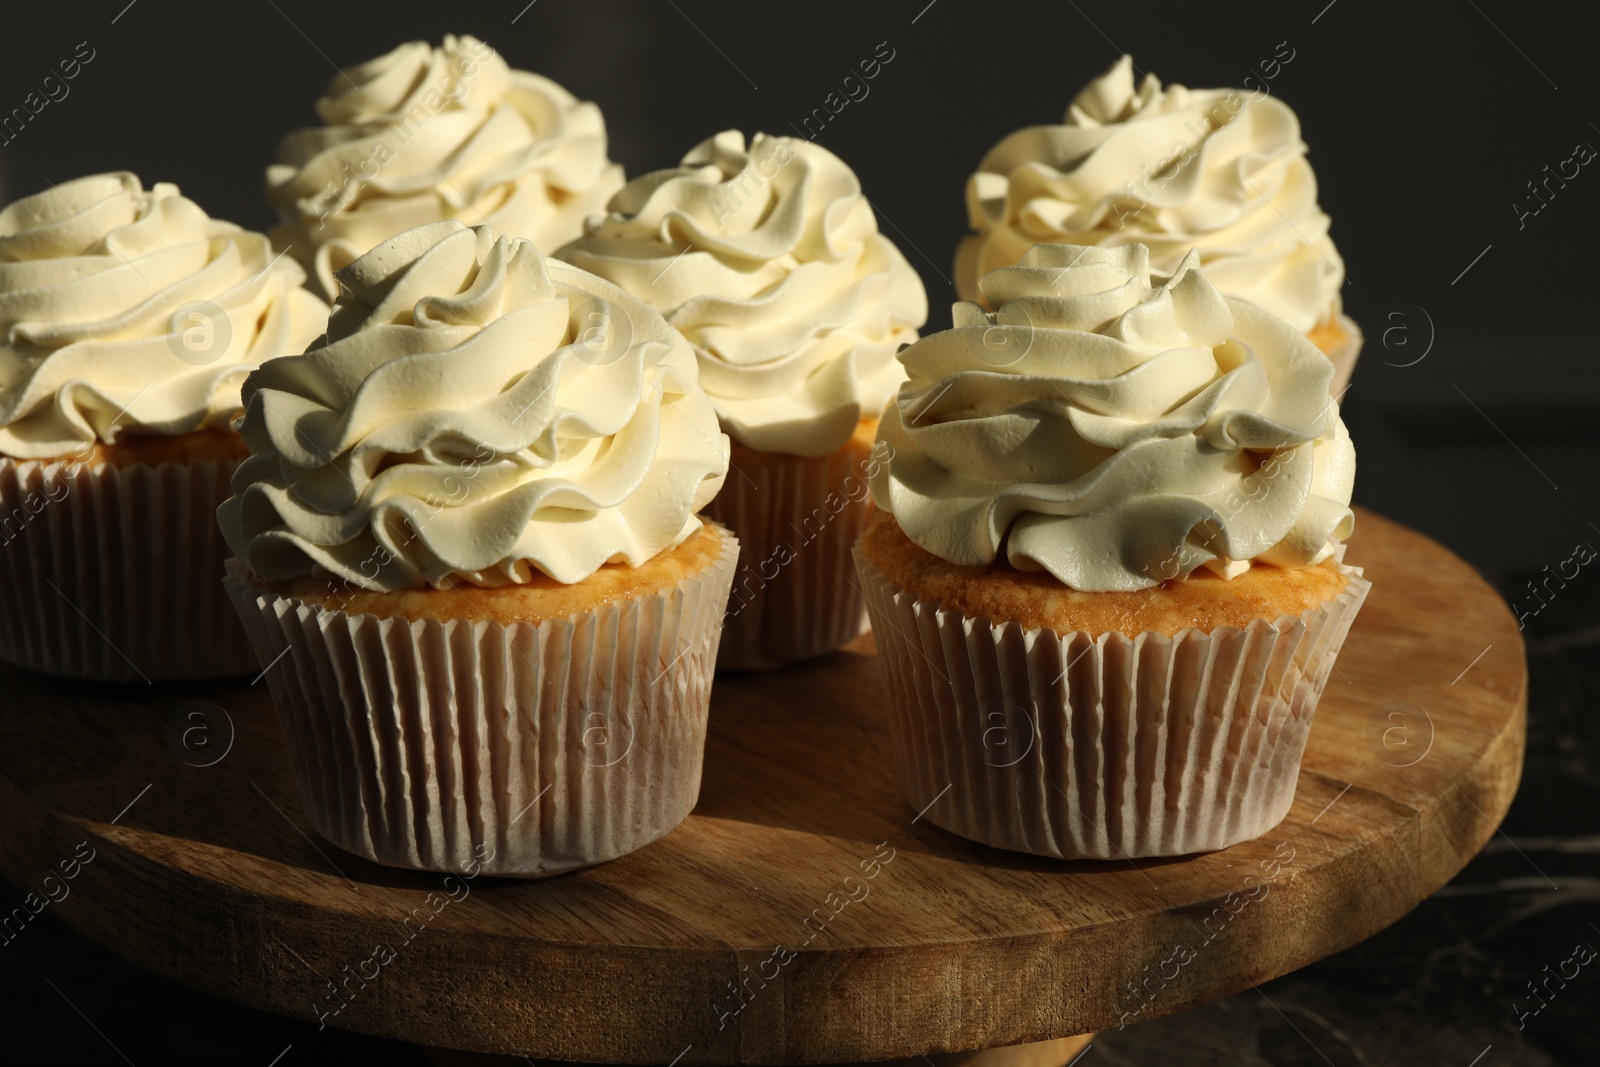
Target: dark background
<point>1425,122</point>
<point>1475,408</point>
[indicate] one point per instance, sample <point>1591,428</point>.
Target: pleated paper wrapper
<point>115,573</point>
<point>522,750</point>
<point>795,595</point>
<point>1344,355</point>
<point>1113,747</point>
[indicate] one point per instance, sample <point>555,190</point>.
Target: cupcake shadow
<point>196,769</point>
<point>806,749</point>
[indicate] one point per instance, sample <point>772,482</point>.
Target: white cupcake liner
<point>794,596</point>
<point>1077,747</point>
<point>1344,355</point>
<point>114,573</point>
<point>522,750</point>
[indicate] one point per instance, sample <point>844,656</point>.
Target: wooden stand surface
<point>738,939</point>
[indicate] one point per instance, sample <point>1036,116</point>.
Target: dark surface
<point>1424,121</point>
<point>1448,981</point>
<point>1439,987</point>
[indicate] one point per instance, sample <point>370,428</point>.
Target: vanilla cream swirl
<point>424,134</point>
<point>1222,171</point>
<point>1116,428</point>
<point>475,415</point>
<point>770,262</point>
<point>130,311</point>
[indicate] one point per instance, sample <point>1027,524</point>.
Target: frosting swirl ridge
<point>476,415</point>
<point>1116,427</point>
<point>130,311</point>
<point>423,134</point>
<point>769,261</point>
<point>1222,171</point>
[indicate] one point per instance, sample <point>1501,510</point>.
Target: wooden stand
<point>803,913</point>
<point>1057,1053</point>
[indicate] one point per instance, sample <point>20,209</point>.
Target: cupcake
<point>424,134</point>
<point>469,559</point>
<point>769,260</point>
<point>1219,171</point>
<point>129,320</point>
<point>1105,571</point>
